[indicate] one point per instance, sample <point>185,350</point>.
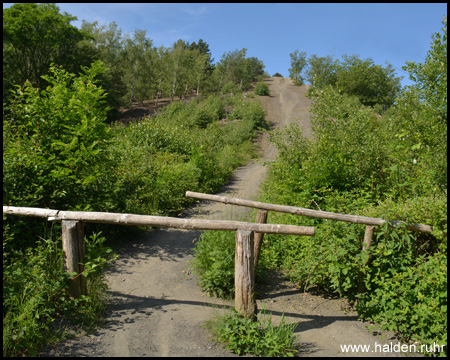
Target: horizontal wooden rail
<point>160,221</point>
<point>308,212</point>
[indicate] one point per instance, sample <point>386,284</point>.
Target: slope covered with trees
<point>379,150</point>
<point>62,150</point>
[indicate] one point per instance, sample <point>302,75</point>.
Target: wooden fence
<point>73,243</point>
<point>249,236</point>
<point>263,208</point>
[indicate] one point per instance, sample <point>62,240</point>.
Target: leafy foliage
<point>391,167</point>
<point>34,36</point>
<point>298,63</point>
<point>214,262</point>
<point>262,89</point>
<point>260,338</point>
<point>35,294</point>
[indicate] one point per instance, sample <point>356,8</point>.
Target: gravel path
<point>157,308</point>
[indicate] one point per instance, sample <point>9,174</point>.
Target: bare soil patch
<point>156,307</point>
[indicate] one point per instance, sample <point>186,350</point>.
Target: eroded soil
<point>156,307</point>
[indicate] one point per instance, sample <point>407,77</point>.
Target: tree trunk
<point>132,86</point>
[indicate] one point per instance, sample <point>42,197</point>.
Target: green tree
<point>54,141</point>
<point>322,71</point>
<point>106,44</point>
<point>431,76</point>
<point>35,35</point>
<point>372,83</point>
<point>173,60</point>
<point>298,63</point>
<point>134,55</point>
<point>200,71</point>
<point>419,122</point>
<point>232,63</point>
<point>203,48</point>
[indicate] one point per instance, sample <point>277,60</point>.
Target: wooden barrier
<point>159,221</point>
<point>265,207</point>
<point>308,212</point>
<point>73,243</point>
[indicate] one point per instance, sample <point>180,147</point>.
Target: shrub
<point>262,89</point>
<point>214,262</point>
<point>215,106</point>
<point>54,144</point>
<point>35,294</point>
<point>230,87</point>
<point>260,338</point>
<point>202,118</point>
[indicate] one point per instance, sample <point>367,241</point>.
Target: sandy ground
<point>157,308</point>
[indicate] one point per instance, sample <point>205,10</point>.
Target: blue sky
<point>384,32</point>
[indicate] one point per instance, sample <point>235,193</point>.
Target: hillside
<point>157,308</point>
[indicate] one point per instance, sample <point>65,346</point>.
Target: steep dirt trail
<point>157,308</point>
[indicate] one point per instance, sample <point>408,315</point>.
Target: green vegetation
<point>373,85</point>
<point>378,152</point>
<point>136,70</point>
<point>60,153</point>
<point>262,89</point>
<point>298,63</point>
<point>391,166</point>
<point>35,293</point>
<point>260,338</point>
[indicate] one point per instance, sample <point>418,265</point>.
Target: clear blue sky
<point>384,32</point>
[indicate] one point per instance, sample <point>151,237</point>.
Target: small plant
<point>260,338</point>
<point>262,89</point>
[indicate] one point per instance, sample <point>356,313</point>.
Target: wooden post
<point>73,249</point>
<point>261,217</point>
<point>245,302</point>
<point>368,236</point>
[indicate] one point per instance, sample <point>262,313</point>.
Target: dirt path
<point>157,308</point>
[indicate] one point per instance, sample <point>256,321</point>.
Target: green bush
<point>202,118</point>
<point>35,294</point>
<point>230,88</point>
<point>260,338</point>
<point>214,262</point>
<point>262,89</point>
<point>215,106</point>
<point>54,147</point>
<point>390,167</point>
